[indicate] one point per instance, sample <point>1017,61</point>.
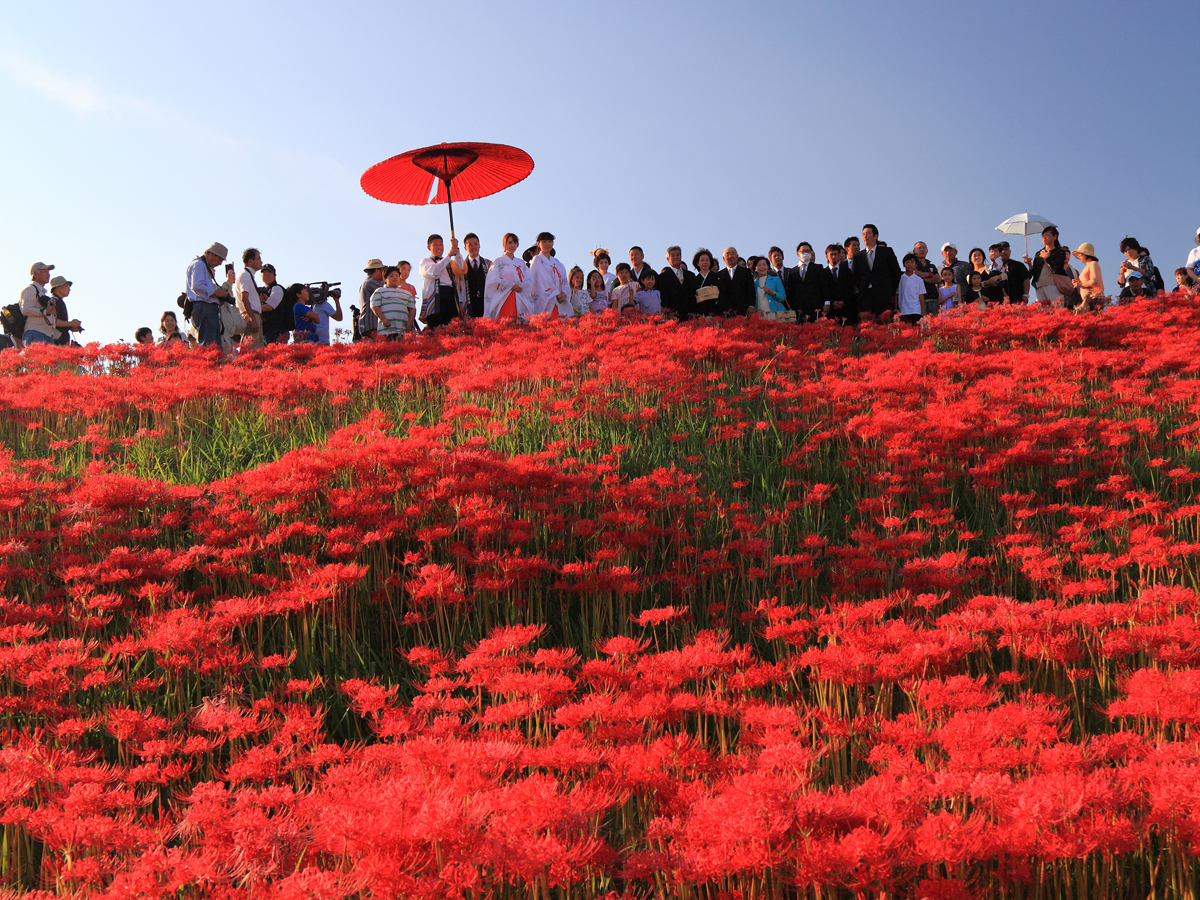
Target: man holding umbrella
<point>439,297</point>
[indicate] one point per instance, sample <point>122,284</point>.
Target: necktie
<point>871,259</point>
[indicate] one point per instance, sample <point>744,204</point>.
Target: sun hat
<point>1086,249</point>
<point>949,246</point>
<point>58,281</point>
<point>38,267</point>
<point>218,249</point>
<point>372,265</point>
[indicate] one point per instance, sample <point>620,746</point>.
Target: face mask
<point>806,258</point>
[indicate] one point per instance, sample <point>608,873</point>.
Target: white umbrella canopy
<point>1026,224</point>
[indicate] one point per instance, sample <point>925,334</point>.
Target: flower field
<point>609,609</point>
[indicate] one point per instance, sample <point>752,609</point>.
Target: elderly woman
<point>705,287</point>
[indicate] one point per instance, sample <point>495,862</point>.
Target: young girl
<point>1185,284</point>
<point>1090,282</point>
<point>626,290</point>
<point>579,297</point>
<point>974,292</point>
<point>598,299</point>
<point>948,294</point>
<point>602,261</point>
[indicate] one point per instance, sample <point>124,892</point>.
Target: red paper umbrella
<point>476,170</point>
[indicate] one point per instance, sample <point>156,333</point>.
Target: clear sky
<point>136,133</point>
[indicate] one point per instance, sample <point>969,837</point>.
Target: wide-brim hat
<point>1085,249</point>
<point>372,265</point>
<point>58,281</point>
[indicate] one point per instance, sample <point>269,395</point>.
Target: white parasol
<point>1025,224</point>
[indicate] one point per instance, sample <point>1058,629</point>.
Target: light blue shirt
<point>200,284</point>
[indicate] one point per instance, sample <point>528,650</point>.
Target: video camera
<point>320,291</point>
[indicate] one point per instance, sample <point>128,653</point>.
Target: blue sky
<point>137,133</point>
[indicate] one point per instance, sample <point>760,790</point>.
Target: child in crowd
<point>648,300</point>
<point>580,301</point>
<point>626,290</point>
<point>598,299</point>
<point>144,336</point>
<point>911,294</point>
<point>974,291</point>
<point>395,304</point>
<point>1185,284</point>
<point>948,294</point>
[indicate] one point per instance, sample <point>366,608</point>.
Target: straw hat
<point>1085,249</point>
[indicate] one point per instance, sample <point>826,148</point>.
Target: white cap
<point>949,246</point>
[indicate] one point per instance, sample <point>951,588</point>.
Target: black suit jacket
<point>877,285</point>
<point>807,295</point>
<point>737,291</point>
<point>842,294</point>
<point>678,296</point>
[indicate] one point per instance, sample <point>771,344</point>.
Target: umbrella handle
<point>450,207</point>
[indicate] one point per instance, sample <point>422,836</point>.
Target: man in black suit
<point>777,268</point>
<point>675,285</point>
<point>839,280</point>
<point>475,276</point>
<point>737,286</point>
<point>876,274</point>
<point>806,286</point>
<point>637,262</point>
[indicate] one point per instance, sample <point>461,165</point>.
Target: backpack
<point>13,320</point>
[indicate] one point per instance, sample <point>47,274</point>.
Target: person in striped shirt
<point>395,303</point>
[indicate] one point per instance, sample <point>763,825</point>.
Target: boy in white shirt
<point>911,296</point>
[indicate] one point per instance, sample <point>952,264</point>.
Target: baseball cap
<point>949,246</point>
<point>269,268</point>
<point>38,267</point>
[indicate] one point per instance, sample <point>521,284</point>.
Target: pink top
<point>1090,281</point>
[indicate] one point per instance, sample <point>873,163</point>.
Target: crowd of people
<point>861,280</point>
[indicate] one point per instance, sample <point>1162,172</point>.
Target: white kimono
<point>501,278</point>
<point>549,278</point>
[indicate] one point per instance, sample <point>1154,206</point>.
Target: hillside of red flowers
<point>609,609</point>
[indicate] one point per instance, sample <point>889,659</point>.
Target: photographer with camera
<point>312,311</point>
<point>59,289</point>
<point>205,296</point>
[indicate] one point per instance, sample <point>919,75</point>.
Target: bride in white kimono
<point>506,292</point>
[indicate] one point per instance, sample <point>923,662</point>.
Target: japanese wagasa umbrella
<point>475,170</point>
<point>1025,224</point>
